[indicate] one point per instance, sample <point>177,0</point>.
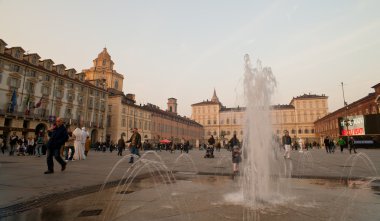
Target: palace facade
<point>297,117</point>
<point>34,92</point>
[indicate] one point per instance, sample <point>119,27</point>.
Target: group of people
<point>22,146</point>
<point>331,143</point>
<point>134,144</point>
<point>75,144</point>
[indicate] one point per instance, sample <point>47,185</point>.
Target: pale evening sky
<point>185,49</point>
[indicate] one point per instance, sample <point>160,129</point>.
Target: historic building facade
<point>123,113</point>
<point>169,125</point>
<point>34,92</point>
<point>329,124</point>
<point>297,117</point>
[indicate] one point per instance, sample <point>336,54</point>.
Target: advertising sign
<point>352,126</point>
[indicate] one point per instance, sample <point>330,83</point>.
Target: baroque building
<point>124,114</point>
<point>35,92</point>
<point>297,117</point>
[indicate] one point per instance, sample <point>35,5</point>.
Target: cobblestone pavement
<point>23,185</point>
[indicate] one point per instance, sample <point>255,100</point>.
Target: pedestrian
<point>236,159</point>
<point>233,142</point>
<point>13,143</point>
<point>39,143</point>
<point>21,147</point>
<point>2,145</point>
<point>30,147</point>
<point>58,137</point>
<point>286,142</point>
<point>83,143</point>
<point>341,143</point>
<point>326,141</point>
<point>301,145</point>
<point>69,147</point>
<point>121,145</point>
<point>135,144</point>
<point>186,146</point>
<point>352,144</point>
<point>218,146</point>
<point>332,145</point>
<point>87,146</point>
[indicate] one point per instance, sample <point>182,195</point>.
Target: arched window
<point>293,131</point>
<point>306,131</point>
<point>299,131</point>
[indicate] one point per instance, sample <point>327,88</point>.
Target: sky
<point>186,49</point>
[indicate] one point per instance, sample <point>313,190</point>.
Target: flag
<point>27,104</point>
<point>13,101</point>
<point>39,103</point>
<point>27,110</point>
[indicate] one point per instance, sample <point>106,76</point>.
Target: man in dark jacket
<point>135,141</point>
<point>58,137</point>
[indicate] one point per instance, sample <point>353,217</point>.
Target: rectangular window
<point>70,97</point>
<point>61,82</point>
<point>29,87</point>
<point>47,78</point>
<point>13,83</point>
<point>16,68</point>
<point>45,90</point>
<point>32,73</point>
<point>58,94</point>
<point>123,123</point>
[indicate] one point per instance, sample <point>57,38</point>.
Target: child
<point>236,158</point>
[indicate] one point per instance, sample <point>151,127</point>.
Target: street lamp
<point>346,121</point>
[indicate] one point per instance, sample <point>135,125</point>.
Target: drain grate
<point>95,212</point>
<point>126,192</point>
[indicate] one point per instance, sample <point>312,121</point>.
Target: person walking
<point>326,141</point>
<point>121,145</point>
<point>87,146</point>
<point>286,142</point>
<point>186,146</point>
<point>301,145</point>
<point>30,146</point>
<point>352,145</point>
<point>341,143</point>
<point>135,143</point>
<point>2,144</point>
<point>69,147</point>
<point>236,159</point>
<point>233,142</point>
<point>13,143</point>
<point>57,139</point>
<point>39,143</point>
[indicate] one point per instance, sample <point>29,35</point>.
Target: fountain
<point>259,167</point>
<point>190,187</point>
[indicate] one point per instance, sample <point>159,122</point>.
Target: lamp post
<point>346,121</point>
